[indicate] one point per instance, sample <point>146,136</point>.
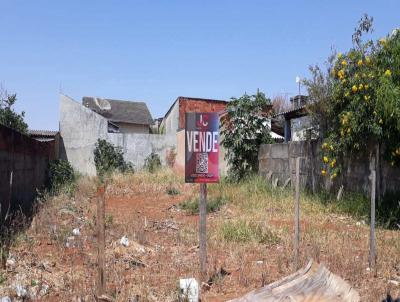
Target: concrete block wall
<point>80,128</point>
<point>280,160</point>
<point>28,161</point>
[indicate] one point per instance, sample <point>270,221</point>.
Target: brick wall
<point>198,105</point>
<point>28,160</point>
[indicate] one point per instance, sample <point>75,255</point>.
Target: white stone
<point>5,299</point>
<point>76,232</point>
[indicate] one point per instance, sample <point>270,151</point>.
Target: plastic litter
<point>124,241</point>
<point>189,290</point>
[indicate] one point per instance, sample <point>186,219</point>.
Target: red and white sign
<point>202,147</point>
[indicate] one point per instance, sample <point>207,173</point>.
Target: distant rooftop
<point>42,135</point>
<point>119,111</point>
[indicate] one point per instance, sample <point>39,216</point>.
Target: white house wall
<point>80,128</point>
<point>171,121</point>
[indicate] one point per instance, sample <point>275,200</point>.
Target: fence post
<point>203,230</point>
<point>372,244</point>
<point>100,240</point>
<point>297,214</point>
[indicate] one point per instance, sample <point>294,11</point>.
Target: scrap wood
<point>312,283</point>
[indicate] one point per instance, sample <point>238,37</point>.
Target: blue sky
<point>155,51</point>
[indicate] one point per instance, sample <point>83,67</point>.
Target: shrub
<point>152,162</point>
<point>244,129</point>
<point>172,191</point>
<point>245,231</point>
<point>109,158</point>
<point>61,174</point>
<point>213,205</point>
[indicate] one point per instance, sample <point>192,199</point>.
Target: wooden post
<point>378,172</point>
<point>297,214</point>
<point>311,156</point>
<point>372,247</point>
<point>100,241</point>
<point>203,230</point>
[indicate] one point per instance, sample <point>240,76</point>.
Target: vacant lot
<point>250,232</point>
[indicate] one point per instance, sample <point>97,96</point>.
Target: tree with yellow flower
<point>357,101</point>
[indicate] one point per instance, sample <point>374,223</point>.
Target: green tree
<point>10,118</point>
<point>244,129</point>
<point>358,100</point>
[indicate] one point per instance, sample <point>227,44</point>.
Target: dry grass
<point>250,236</point>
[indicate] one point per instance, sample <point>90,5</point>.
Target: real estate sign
<point>201,147</point>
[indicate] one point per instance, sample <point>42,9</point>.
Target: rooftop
<point>119,111</point>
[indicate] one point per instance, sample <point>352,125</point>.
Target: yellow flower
<point>360,62</point>
<point>344,62</point>
<point>331,147</point>
<point>388,73</point>
<point>324,145</point>
<point>340,55</point>
<point>326,159</point>
<point>366,86</point>
<point>360,87</point>
<point>323,172</point>
<point>354,88</point>
<point>382,41</point>
<point>333,162</point>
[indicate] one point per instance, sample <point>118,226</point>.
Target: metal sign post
<point>203,230</point>
<point>201,166</point>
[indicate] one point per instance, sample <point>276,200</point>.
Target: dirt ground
<point>52,264</point>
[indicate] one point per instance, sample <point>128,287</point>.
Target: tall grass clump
<point>242,231</point>
<point>191,206</point>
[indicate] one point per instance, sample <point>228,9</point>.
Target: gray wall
<point>280,159</point>
<point>171,121</point>
<point>80,128</point>
<point>28,161</point>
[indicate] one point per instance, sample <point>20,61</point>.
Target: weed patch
<point>242,231</point>
<point>213,205</point>
<point>172,191</point>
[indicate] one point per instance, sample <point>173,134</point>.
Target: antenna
<point>103,104</point>
<point>298,81</point>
